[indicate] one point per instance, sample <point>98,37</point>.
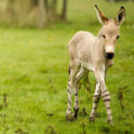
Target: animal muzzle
<point>110,55</point>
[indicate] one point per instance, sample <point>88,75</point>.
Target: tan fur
<point>90,53</point>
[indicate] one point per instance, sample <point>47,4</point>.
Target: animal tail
<point>69,70</point>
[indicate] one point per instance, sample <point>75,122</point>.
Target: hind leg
<point>74,68</point>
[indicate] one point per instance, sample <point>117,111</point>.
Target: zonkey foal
<point>90,53</point>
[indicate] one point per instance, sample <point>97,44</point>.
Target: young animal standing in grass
<point>90,53</point>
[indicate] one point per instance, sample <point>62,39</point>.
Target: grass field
<point>34,74</point>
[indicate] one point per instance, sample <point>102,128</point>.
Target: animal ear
<point>101,17</point>
<point>120,17</point>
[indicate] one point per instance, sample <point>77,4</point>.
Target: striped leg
<point>106,99</point>
<point>70,88</point>
<point>96,99</point>
<point>70,91</point>
<point>100,76</point>
<point>79,76</point>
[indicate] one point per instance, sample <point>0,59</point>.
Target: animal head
<point>110,30</point>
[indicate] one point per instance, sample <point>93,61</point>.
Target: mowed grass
<point>34,74</point>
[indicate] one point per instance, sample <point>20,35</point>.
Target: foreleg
<point>96,99</point>
<point>100,76</point>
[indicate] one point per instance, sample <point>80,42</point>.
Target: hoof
<point>75,114</point>
<point>110,122</point>
<point>92,119</point>
<point>69,117</point>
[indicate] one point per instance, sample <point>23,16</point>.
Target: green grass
<point>34,74</point>
<point>34,66</point>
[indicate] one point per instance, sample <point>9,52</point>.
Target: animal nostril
<point>110,55</point>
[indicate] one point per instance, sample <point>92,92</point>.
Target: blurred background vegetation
<point>41,13</point>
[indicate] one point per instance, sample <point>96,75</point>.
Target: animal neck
<point>100,43</point>
<point>100,33</point>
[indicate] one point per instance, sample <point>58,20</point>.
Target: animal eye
<point>104,36</point>
<point>117,37</point>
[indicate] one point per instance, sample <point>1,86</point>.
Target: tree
<point>64,10</point>
<point>28,13</point>
<point>34,3</point>
<point>41,14</point>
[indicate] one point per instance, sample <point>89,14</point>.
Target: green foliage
<point>83,125</point>
<point>121,94</point>
<point>50,130</point>
<point>86,83</point>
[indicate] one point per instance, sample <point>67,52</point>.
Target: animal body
<point>89,53</point>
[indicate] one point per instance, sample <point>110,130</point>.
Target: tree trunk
<point>64,10</point>
<point>41,14</point>
<point>11,10</point>
<point>54,4</point>
<point>34,3</point>
<point>47,10</point>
